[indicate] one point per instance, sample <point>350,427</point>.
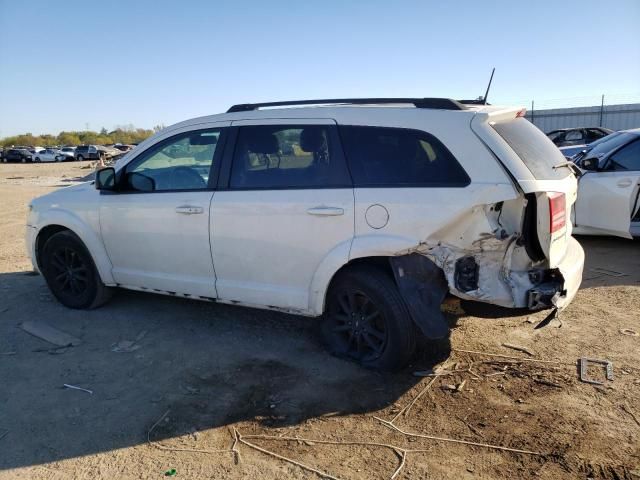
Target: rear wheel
<point>37,159</point>
<point>80,158</point>
<point>71,274</point>
<point>366,320</point>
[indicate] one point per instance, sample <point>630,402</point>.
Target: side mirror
<point>589,164</point>
<point>106,179</point>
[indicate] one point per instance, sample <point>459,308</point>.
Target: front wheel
<point>366,320</point>
<point>37,160</point>
<point>80,158</point>
<point>70,273</point>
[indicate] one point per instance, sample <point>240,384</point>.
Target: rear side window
<point>534,148</point>
<point>399,157</point>
<point>288,156</point>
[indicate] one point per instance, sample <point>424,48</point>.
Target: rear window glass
<point>534,148</point>
<point>399,157</point>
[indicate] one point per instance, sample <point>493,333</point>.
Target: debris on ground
<point>628,331</point>
<point>50,334</point>
<point>128,346</point>
<point>606,271</point>
<point>519,348</point>
<point>583,364</point>
<point>125,346</point>
<point>8,353</point>
<point>73,387</point>
<point>170,473</point>
<point>3,433</point>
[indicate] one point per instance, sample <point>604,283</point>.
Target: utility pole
<point>532,112</point>
<point>601,109</point>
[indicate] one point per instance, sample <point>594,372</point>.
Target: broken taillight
<point>557,211</point>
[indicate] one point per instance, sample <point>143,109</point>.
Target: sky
<point>73,64</point>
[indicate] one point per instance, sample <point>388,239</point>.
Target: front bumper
<point>30,239</point>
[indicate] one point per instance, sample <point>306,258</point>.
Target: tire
<point>366,320</point>
<point>37,160</point>
<point>70,273</point>
<point>80,158</point>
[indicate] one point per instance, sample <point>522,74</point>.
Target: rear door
<point>285,205</point>
<point>608,199</point>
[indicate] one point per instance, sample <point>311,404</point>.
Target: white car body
<point>68,152</point>
<point>48,155</point>
<point>609,198</point>
<point>280,248</point>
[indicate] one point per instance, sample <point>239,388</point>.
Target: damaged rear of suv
<point>364,212</point>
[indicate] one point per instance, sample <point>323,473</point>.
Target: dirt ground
<point>229,376</point>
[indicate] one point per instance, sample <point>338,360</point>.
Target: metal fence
<point>617,112</point>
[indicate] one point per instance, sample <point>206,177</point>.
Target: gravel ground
<point>202,377</point>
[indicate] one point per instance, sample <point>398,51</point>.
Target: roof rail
<point>434,103</point>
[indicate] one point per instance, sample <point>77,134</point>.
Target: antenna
<point>484,99</point>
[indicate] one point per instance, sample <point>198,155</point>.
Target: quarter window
<point>398,157</point>
<point>183,162</point>
<point>277,156</point>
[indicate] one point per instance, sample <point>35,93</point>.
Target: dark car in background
<point>565,137</point>
<point>87,152</point>
<point>17,155</point>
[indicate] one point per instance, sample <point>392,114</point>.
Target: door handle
<point>189,209</point>
<point>326,211</point>
<point>624,183</point>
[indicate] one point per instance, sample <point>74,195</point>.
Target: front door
<point>287,208</point>
<point>155,228</point>
<point>608,199</point>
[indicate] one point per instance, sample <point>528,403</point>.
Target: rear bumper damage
<point>497,273</point>
<point>494,271</point>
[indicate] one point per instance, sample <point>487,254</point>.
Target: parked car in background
<point>571,153</point>
<point>609,189</point>
<point>68,152</point>
<point>566,137</point>
<point>48,155</point>
<point>123,148</point>
<point>584,149</point>
<point>363,215</point>
<point>17,155</point>
<point>87,152</point>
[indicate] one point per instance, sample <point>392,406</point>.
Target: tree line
<point>126,134</point>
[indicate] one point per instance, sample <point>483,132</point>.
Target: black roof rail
<point>434,103</point>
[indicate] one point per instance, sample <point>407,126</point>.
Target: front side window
<point>399,157</point>
<point>627,158</point>
<point>183,162</point>
<point>279,156</point>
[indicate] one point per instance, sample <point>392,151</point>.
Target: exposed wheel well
<point>380,263</point>
<point>44,235</point>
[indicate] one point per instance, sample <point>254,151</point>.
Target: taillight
<point>557,211</point>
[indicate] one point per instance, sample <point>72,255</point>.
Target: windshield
<point>609,143</point>
<point>534,148</point>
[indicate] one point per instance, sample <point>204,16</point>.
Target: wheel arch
<point>373,250</point>
<point>90,239</point>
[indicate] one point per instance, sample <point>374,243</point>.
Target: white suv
<point>367,212</point>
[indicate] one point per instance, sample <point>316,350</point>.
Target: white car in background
<point>69,153</point>
<point>609,189</point>
<point>48,155</point>
<point>364,212</point>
